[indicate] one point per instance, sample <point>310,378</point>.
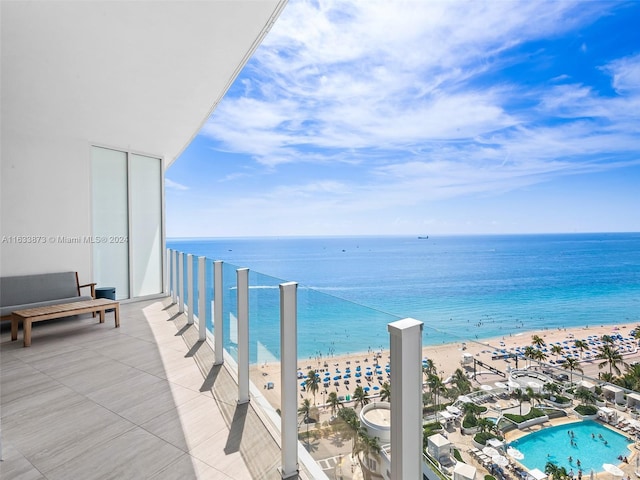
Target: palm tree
<point>585,395</point>
<point>607,339</point>
<point>532,395</point>
<point>631,379</point>
<point>551,387</point>
<point>333,402</point>
<point>557,350</point>
<point>581,345</point>
<point>572,364</point>
<point>385,392</point>
<point>539,356</point>
<point>360,396</point>
<point>437,387</point>
<point>470,408</point>
<point>461,381</point>
<point>555,472</point>
<point>312,383</point>
<point>366,445</point>
<point>519,395</point>
<point>612,357</point>
<point>485,425</point>
<point>529,353</point>
<point>429,368</point>
<point>350,424</point>
<point>304,410</point>
<point>606,377</point>
<point>537,341</point>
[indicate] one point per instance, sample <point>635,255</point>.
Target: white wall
<point>45,194</point>
<point>136,76</point>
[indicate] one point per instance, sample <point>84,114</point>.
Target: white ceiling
<point>142,75</point>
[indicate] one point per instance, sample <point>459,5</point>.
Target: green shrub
<point>431,428</point>
<point>469,421</point>
<point>482,437</point>
<point>558,398</point>
<point>586,409</point>
<point>457,456</point>
<point>489,477</point>
<point>533,413</point>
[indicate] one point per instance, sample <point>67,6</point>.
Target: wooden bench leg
<point>26,331</point>
<point>14,327</point>
<point>116,314</point>
<point>102,315</point>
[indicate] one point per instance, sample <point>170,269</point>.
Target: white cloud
<point>395,88</point>
<point>626,74</point>
<point>174,185</point>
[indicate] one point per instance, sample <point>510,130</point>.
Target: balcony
<point>90,401</point>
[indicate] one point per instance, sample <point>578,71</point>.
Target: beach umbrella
<point>490,451</point>
<point>337,377</point>
<point>486,388</point>
<point>358,374</point>
<point>500,460</point>
<point>366,389</point>
<point>515,453</point>
<point>613,470</point>
<point>346,375</point>
<point>375,387</point>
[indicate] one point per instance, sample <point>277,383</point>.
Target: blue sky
<point>443,117</point>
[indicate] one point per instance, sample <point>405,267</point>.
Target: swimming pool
<point>593,445</point>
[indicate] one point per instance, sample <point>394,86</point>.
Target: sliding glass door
<point>127,221</point>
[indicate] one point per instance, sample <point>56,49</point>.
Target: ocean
<point>461,287</point>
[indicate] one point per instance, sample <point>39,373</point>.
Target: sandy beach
<point>446,357</point>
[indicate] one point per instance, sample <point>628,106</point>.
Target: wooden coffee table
<point>32,315</point>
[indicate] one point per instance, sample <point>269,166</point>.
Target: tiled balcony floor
<point>88,401</point>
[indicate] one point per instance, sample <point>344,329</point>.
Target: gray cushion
<point>12,308</point>
<point>26,289</point>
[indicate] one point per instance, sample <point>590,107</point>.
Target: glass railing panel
<point>194,260</point>
<point>208,293</point>
<point>230,309</point>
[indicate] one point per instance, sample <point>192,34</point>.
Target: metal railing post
<point>190,289</point>
<point>218,323</point>
<point>243,335</point>
<point>288,379</point>
<point>202,299</point>
<point>181,282</point>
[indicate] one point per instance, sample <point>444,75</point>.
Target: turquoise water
<point>462,287</point>
<point>553,444</point>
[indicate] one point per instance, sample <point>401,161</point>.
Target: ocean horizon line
<point>426,236</point>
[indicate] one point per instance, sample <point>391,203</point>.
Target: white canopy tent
<point>633,400</point>
<point>464,471</point>
<point>438,445</point>
<point>613,392</point>
<point>537,474</point>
